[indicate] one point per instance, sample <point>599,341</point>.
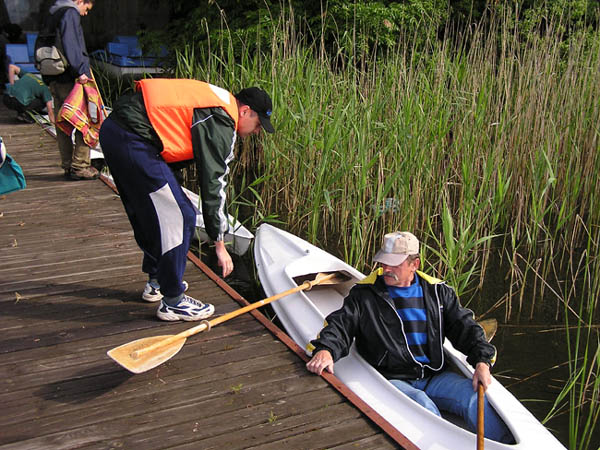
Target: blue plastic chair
<point>19,55</point>
<point>131,41</point>
<point>118,49</point>
<point>132,44</point>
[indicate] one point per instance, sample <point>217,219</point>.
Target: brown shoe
<point>89,173</point>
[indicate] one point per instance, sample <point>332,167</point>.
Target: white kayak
<point>238,236</point>
<point>284,261</point>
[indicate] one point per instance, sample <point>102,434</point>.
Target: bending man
<point>28,93</point>
<point>169,121</point>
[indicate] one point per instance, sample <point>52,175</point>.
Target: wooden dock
<point>70,287</point>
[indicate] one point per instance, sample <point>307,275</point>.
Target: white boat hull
<point>238,237</point>
<point>282,257</point>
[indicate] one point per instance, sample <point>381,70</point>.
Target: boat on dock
<point>238,237</point>
<point>285,261</point>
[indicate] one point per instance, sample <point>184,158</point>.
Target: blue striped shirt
<point>410,307</point>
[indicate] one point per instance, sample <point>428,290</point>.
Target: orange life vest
<point>170,105</point>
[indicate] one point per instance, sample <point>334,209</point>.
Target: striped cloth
<point>410,307</point>
<point>83,110</point>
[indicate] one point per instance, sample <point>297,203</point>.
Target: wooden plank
<point>219,415</point>
<point>118,401</point>
<point>64,282</point>
<point>81,352</point>
<point>136,319</point>
<point>340,429</point>
<point>374,442</point>
<point>266,425</point>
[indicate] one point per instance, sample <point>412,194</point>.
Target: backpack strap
<point>49,35</point>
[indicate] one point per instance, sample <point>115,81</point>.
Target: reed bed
<point>489,148</point>
<point>485,146</point>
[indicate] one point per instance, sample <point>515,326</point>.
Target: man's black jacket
<point>369,317</point>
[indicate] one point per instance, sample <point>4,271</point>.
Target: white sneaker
<point>151,294</point>
<point>188,309</point>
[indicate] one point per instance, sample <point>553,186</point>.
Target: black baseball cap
<point>260,102</point>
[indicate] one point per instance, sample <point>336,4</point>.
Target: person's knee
<point>423,399</point>
<point>495,428</point>
<point>416,395</point>
<point>471,416</point>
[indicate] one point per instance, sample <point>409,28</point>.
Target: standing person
<point>65,18</point>
<point>399,318</point>
<point>170,121</point>
<point>28,93</point>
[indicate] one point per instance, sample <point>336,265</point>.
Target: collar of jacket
<point>372,277</point>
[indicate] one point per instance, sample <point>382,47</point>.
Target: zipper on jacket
<point>441,341</point>
<point>437,299</point>
<point>405,339</point>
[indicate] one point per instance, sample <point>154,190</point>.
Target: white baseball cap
<point>396,248</point>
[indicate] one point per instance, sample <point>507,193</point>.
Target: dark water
<point>531,366</point>
<point>531,360</point>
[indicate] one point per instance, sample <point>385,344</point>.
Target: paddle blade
<point>319,279</point>
<point>126,354</point>
<point>490,326</point>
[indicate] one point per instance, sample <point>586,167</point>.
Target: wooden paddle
<point>144,354</point>
<point>480,418</point>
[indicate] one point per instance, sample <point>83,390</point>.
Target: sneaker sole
<point>158,297</point>
<point>152,298</point>
<point>172,317</point>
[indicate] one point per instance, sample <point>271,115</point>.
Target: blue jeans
<point>451,392</point>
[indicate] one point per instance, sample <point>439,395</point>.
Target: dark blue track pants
<point>162,217</point>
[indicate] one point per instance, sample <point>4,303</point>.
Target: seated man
<point>28,93</point>
<point>399,318</point>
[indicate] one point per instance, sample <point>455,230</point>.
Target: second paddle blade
<point>125,354</point>
<point>490,326</point>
